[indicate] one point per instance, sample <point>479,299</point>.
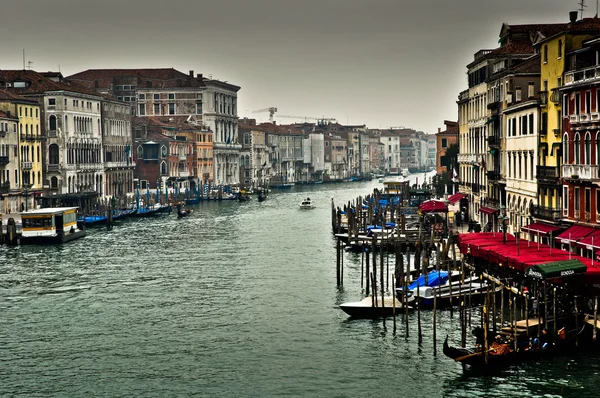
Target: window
<point>588,199</point>
<point>588,101</point>
<point>514,126</point>
<point>52,122</point>
<point>577,104</point>
<point>565,105</point>
<point>157,109</point>
<point>140,152</point>
<point>576,198</point>
<point>444,143</point>
<point>531,123</point>
<point>198,108</point>
<point>565,151</point>
<point>588,148</point>
<point>171,96</point>
<point>51,101</point>
<point>577,149</point>
<point>142,96</point>
<point>171,108</point>
<point>119,88</point>
<point>545,53</point>
<point>156,96</point>
<point>559,48</point>
<point>142,110</point>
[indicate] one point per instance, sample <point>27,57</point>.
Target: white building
<point>391,152</point>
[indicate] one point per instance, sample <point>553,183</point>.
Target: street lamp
<point>27,188</point>
<point>505,226</point>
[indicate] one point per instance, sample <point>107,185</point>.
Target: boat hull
<point>52,240</point>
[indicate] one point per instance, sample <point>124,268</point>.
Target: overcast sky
<point>378,62</point>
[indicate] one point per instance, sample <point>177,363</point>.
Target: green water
<point>238,300</point>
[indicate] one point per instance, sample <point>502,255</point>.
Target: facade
<point>117,148</point>
<point>336,149</point>
<point>314,157</point>
<point>9,162</point>
<point>445,139</point>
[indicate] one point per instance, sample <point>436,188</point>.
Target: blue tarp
<point>390,224</point>
<point>433,279</point>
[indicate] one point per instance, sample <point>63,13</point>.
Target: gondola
<point>183,212</point>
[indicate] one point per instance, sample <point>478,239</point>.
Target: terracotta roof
<point>514,47</point>
<point>4,115</point>
<point>530,65</point>
<point>160,78</point>
<point>7,95</point>
<point>38,83</point>
<point>585,25</point>
<point>532,29</point>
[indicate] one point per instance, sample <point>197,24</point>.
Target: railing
<point>547,173</point>
<point>493,176</point>
<point>2,133</point>
<point>26,165</point>
<point>183,157</point>
<point>573,118</point>
<point>594,116</point>
<point>543,132</point>
<point>556,132</point>
<point>53,167</point>
<point>490,202</point>
<point>493,140</point>
<point>4,160</point>
<point>580,171</point>
<point>555,96</point>
<point>52,134</point>
<point>546,213</point>
<point>584,117</point>
<point>577,214</point>
<point>184,174</point>
<point>481,53</point>
<point>582,75</point>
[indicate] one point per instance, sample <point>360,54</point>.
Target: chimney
<point>439,130</point>
<point>199,75</point>
<point>8,114</point>
<point>573,16</point>
<point>95,83</point>
<point>191,74</point>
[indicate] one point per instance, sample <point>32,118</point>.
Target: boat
<point>307,204</point>
<point>50,225</point>
<point>243,196</point>
<point>89,221</point>
<point>181,212</point>
<point>450,292</point>
<point>366,309</point>
<point>405,172</point>
<point>262,197</point>
<point>119,214</point>
<point>148,211</point>
<point>286,185</point>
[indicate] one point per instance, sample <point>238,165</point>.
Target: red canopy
<point>541,228</point>
<point>433,206</point>
<point>573,234</point>
<point>487,210</point>
<point>590,242</point>
<point>456,197</point>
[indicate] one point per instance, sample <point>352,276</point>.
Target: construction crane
<point>271,111</point>
<point>320,120</point>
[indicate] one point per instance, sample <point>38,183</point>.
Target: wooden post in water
<point>545,306</point>
<point>485,329</point>
<point>493,299</point>
<point>337,266</point>
<point>576,321</point>
<point>515,322</point>
<point>394,306</point>
<point>362,263</point>
<point>527,314</point>
<point>437,268</point>
<point>554,314</point>
<point>595,317</point>
<point>374,295</point>
<point>502,307</point>
<point>450,269</point>
<point>367,271</point>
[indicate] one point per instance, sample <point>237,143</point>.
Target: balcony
<point>493,105</point>
<point>5,187</point>
<point>2,133</point>
<point>585,118</point>
<point>546,213</point>
<point>52,167</point>
<point>595,116</point>
<point>4,160</point>
<point>582,75</point>
<point>493,176</point>
<point>543,132</point>
<point>547,174</point>
<point>183,158</point>
<point>493,140</point>
<point>26,165</point>
<point>555,96</point>
<point>556,132</point>
<point>475,188</point>
<point>574,118</point>
<point>586,172</point>
<point>184,174</point>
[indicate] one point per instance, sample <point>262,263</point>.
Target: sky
<point>383,63</point>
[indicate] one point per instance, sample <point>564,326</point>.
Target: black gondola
<point>183,212</point>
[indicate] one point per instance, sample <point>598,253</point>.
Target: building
<point>314,157</point>
<point>9,162</point>
<point>443,140</point>
<point>117,148</point>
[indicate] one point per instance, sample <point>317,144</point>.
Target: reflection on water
<point>239,299</point>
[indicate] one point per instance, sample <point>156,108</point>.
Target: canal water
<point>238,300</point>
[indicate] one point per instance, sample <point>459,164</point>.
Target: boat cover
<point>434,278</point>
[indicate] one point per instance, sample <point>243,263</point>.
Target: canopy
<point>434,278</point>
<point>452,199</point>
<point>487,210</point>
<point>433,206</point>
<point>590,242</point>
<point>556,269</point>
<point>573,234</point>
<point>541,228</point>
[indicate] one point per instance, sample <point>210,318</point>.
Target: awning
<point>433,206</point>
<point>556,269</point>
<point>542,229</point>
<point>573,234</point>
<point>488,210</point>
<point>491,119</point>
<point>590,242</point>
<point>456,197</point>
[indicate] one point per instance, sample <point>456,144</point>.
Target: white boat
<point>405,172</point>
<point>51,225</point>
<point>307,204</point>
<point>366,309</point>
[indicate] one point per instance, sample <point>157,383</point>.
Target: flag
<point>228,140</point>
<point>454,175</point>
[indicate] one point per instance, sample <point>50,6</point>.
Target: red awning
<point>573,234</point>
<point>452,199</point>
<point>487,210</point>
<point>590,242</point>
<point>433,206</point>
<point>542,229</point>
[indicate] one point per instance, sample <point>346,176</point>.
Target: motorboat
<point>371,307</point>
<point>405,172</point>
<point>50,225</point>
<point>307,204</point>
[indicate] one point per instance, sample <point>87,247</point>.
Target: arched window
<point>565,151</point>
<point>140,152</point>
<point>53,154</point>
<point>52,122</point>
<point>163,151</point>
<point>163,168</point>
<point>577,149</point>
<point>38,154</point>
<point>54,183</point>
<point>66,123</point>
<point>588,148</point>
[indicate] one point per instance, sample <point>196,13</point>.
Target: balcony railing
<point>555,96</point>
<point>547,173</point>
<point>26,165</point>
<point>5,187</point>
<point>588,172</point>
<point>52,134</point>
<point>543,98</point>
<point>52,167</point>
<point>581,75</point>
<point>4,160</point>
<point>2,133</point>
<point>556,132</point>
<point>493,176</point>
<point>584,117</point>
<point>573,118</point>
<point>546,213</point>
<point>493,140</point>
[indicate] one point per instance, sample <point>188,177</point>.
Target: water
<point>237,300</point>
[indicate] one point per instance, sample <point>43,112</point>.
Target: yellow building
<point>29,178</point>
<point>553,57</point>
